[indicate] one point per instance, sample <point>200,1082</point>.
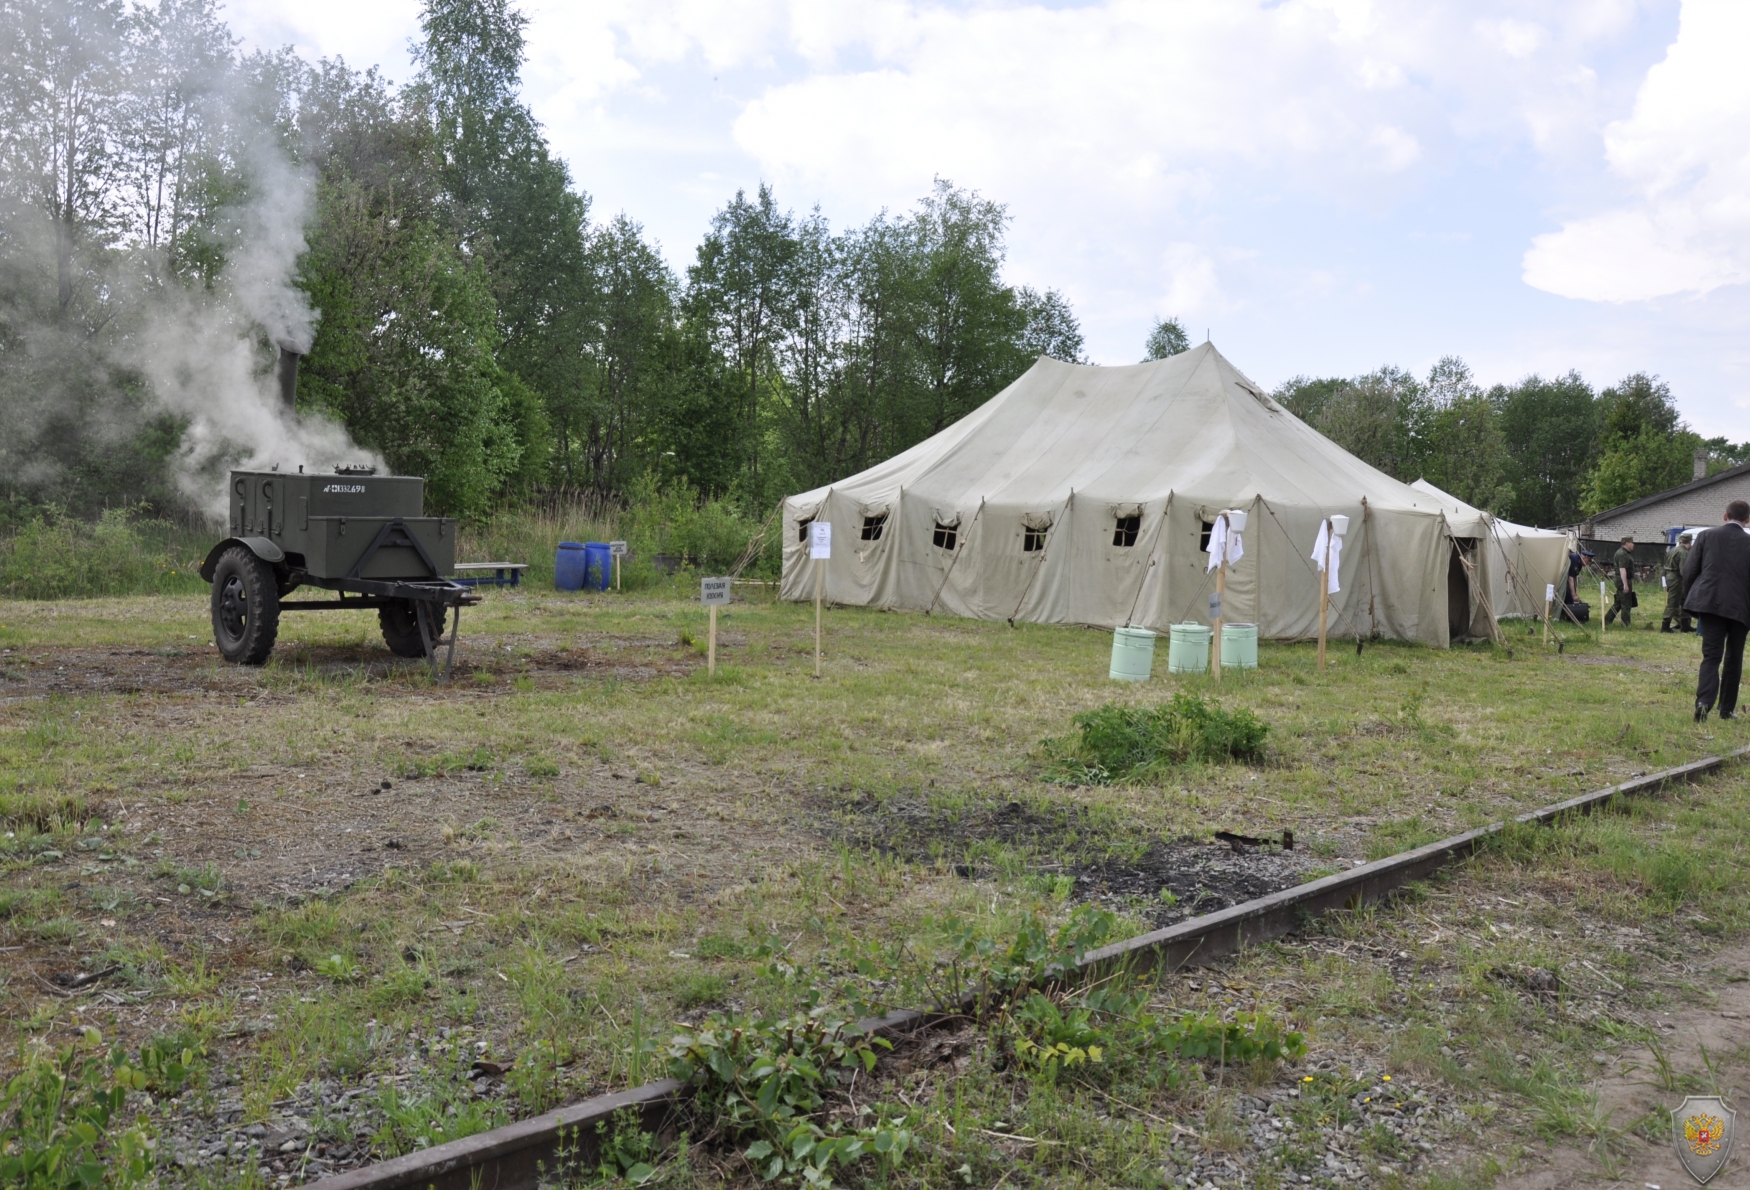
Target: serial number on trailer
<point>344,487</point>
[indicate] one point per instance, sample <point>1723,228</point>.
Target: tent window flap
<point>1032,541</point>
<point>1125,530</point>
<point>872,526</point>
<point>945,535</point>
<point>802,530</point>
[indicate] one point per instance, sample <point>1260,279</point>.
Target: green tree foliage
<point>1540,452</point>
<point>1166,337</point>
<point>1380,418</point>
<point>1723,455</point>
<point>1644,447</point>
<point>1551,430</point>
<point>1306,397</point>
<point>1465,452</point>
<point>474,325</point>
<point>841,350</point>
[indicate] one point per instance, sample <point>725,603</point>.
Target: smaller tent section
<point>1085,495</point>
<point>1517,563</point>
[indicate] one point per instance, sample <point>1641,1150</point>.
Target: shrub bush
<point>1130,743</point>
<point>125,552</point>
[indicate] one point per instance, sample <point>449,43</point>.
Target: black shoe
<point>1700,711</point>
<point>1665,626</point>
<point>1728,714</point>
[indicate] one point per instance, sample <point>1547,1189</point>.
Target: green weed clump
<point>124,552</point>
<point>1118,743</point>
<point>1059,1032</point>
<point>61,1121</point>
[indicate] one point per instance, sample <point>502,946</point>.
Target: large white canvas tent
<point>1084,495</point>
<point>1519,563</point>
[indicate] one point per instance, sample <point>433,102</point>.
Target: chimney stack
<point>1700,462</point>
<point>287,374</point>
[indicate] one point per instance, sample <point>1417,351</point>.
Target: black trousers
<point>1722,661</point>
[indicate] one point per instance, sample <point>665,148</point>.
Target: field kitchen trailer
<point>353,532</point>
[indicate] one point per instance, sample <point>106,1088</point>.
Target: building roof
<point>1693,485</point>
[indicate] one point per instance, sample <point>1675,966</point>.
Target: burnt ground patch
<point>1200,878</point>
<point>1087,853</point>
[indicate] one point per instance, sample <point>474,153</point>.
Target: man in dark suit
<point>1716,584</point>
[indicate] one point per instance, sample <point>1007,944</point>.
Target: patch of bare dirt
<point>1706,1051</point>
<point>42,672</point>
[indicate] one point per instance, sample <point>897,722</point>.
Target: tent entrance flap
<point>1458,592</point>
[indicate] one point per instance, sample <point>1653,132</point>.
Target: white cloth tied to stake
<point>1221,540</point>
<point>1318,555</point>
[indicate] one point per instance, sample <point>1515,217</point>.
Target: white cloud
<point>1685,154</point>
<point>1193,287</point>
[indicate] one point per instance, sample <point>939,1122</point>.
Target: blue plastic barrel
<point>569,564</point>
<point>598,565</point>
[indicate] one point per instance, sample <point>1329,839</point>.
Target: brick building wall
<point>1701,503</point>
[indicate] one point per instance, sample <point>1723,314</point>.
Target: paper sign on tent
<point>820,540</point>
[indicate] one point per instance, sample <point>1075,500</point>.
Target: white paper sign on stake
<point>1549,592</point>
<point>713,590</point>
<point>820,540</point>
<point>617,549</point>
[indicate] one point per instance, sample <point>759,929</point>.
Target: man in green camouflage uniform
<point>1674,585</point>
<point>1622,569</point>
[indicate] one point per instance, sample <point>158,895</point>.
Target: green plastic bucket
<point>1133,654</point>
<point>1188,648</point>
<point>1239,646</point>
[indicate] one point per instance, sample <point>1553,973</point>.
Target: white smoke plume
<point>203,357</point>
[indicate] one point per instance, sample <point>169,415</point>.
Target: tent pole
<point>1324,593</point>
<point>1220,604</point>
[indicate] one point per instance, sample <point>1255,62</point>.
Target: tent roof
<point>1191,424</point>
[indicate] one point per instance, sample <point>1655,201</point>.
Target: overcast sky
<point>1324,186</point>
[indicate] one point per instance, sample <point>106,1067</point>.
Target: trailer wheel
<point>246,607</point>
<point>400,621</point>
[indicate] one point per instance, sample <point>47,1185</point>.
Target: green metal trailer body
<point>325,523</point>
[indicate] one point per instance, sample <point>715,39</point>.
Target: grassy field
<point>378,913</point>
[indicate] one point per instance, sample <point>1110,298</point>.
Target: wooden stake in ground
<point>1602,613</point>
<point>1549,603</point>
<point>1224,534</point>
<point>1324,594</point>
<point>618,550</point>
<point>713,592</point>
<point>1220,610</point>
<point>1333,528</point>
<point>820,550</point>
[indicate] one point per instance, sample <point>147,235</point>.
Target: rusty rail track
<point>517,1156</point>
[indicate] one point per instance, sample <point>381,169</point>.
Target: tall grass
<point>51,555</point>
<point>674,522</point>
